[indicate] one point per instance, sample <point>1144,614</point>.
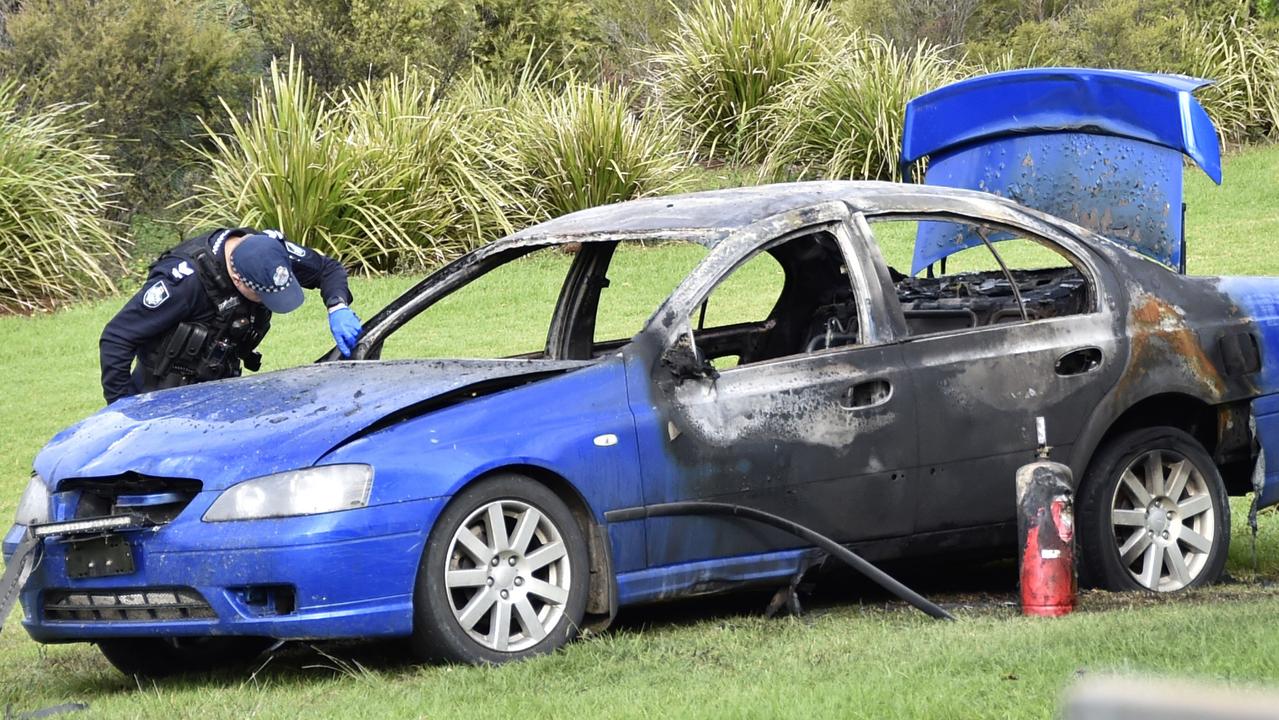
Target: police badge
<point>155,295</point>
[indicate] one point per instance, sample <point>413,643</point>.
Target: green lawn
<point>853,657</point>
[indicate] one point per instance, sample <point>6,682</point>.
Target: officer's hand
<point>346,329</point>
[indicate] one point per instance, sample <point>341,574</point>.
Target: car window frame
<point>834,217</point>
<point>1074,252</point>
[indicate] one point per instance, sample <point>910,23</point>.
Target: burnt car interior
<point>816,307</point>
<point>1010,277</point>
<point>813,309</point>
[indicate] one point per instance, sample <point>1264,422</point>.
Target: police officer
<point>206,305</point>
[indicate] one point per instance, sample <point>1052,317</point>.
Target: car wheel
<point>504,575</point>
<point>1153,514</point>
<point>161,657</point>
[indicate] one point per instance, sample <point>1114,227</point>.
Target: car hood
<point>225,431</point>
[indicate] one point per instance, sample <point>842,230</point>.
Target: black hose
<point>697,507</point>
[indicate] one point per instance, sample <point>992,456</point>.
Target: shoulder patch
<point>273,234</point>
<point>155,295</point>
<point>295,250</point>
<point>181,270</point>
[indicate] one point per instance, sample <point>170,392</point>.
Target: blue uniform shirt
<point>173,294</point>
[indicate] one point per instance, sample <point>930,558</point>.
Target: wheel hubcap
<point>1163,520</point>
<point>508,575</point>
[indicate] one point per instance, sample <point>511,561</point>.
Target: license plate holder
<point>99,557</point>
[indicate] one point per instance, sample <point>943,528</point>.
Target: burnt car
<point>486,508</point>
<point>467,503</point>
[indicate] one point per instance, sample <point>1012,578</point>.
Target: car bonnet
<point>226,431</point>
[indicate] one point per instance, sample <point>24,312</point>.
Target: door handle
<point>866,395</point>
<point>1078,362</point>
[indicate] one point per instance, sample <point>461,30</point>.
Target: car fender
<point>576,426</point>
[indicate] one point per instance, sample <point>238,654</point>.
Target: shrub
<point>1213,39</point>
<point>559,32</point>
<point>1129,34</point>
<point>149,68</point>
<point>1244,67</point>
<point>844,117</point>
<point>383,178</point>
<point>726,61</point>
<point>628,29</point>
<point>908,22</point>
<point>55,188</point>
<point>584,146</point>
<point>345,42</point>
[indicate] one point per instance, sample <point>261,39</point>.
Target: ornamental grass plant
<point>1243,64</point>
<point>843,117</point>
<point>725,62</point>
<point>56,188</point>
<point>584,146</point>
<point>430,183</point>
<point>383,177</point>
<point>391,176</point>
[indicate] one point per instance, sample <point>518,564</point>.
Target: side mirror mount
<point>684,361</point>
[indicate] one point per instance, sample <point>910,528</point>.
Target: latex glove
<point>346,329</point>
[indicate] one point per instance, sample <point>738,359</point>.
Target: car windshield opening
<point>571,300</point>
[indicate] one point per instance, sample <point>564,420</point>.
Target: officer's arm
<point>155,309</point>
<point>315,270</point>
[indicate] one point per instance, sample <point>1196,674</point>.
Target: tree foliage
<point>345,42</point>
<point>149,69</point>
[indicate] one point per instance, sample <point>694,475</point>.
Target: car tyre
<point>162,657</point>
<point>1153,514</point>
<point>504,575</point>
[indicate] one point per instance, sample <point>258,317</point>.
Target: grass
<point>853,657</point>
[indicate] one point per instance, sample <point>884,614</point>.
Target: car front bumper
<point>337,575</point>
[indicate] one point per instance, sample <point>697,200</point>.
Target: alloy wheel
<point>1163,519</point>
<point>508,575</point>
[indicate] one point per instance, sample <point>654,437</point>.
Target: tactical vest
<point>197,351</point>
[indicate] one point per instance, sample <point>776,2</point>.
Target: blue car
<point>490,508</point>
<point>467,504</point>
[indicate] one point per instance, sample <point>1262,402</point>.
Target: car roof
<point>709,216</point>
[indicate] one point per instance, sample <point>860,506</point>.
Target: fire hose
<point>698,507</point>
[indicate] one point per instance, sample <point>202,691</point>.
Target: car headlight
<point>33,508</point>
<point>322,489</point>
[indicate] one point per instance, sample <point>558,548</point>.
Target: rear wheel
<point>161,657</point>
<point>504,575</point>
<point>1153,514</point>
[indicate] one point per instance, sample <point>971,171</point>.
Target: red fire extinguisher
<point>1046,534</point>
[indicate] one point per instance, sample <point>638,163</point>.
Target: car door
<point>814,423</point>
<point>983,381</point>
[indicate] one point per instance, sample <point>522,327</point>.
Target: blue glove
<point>346,329</point>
